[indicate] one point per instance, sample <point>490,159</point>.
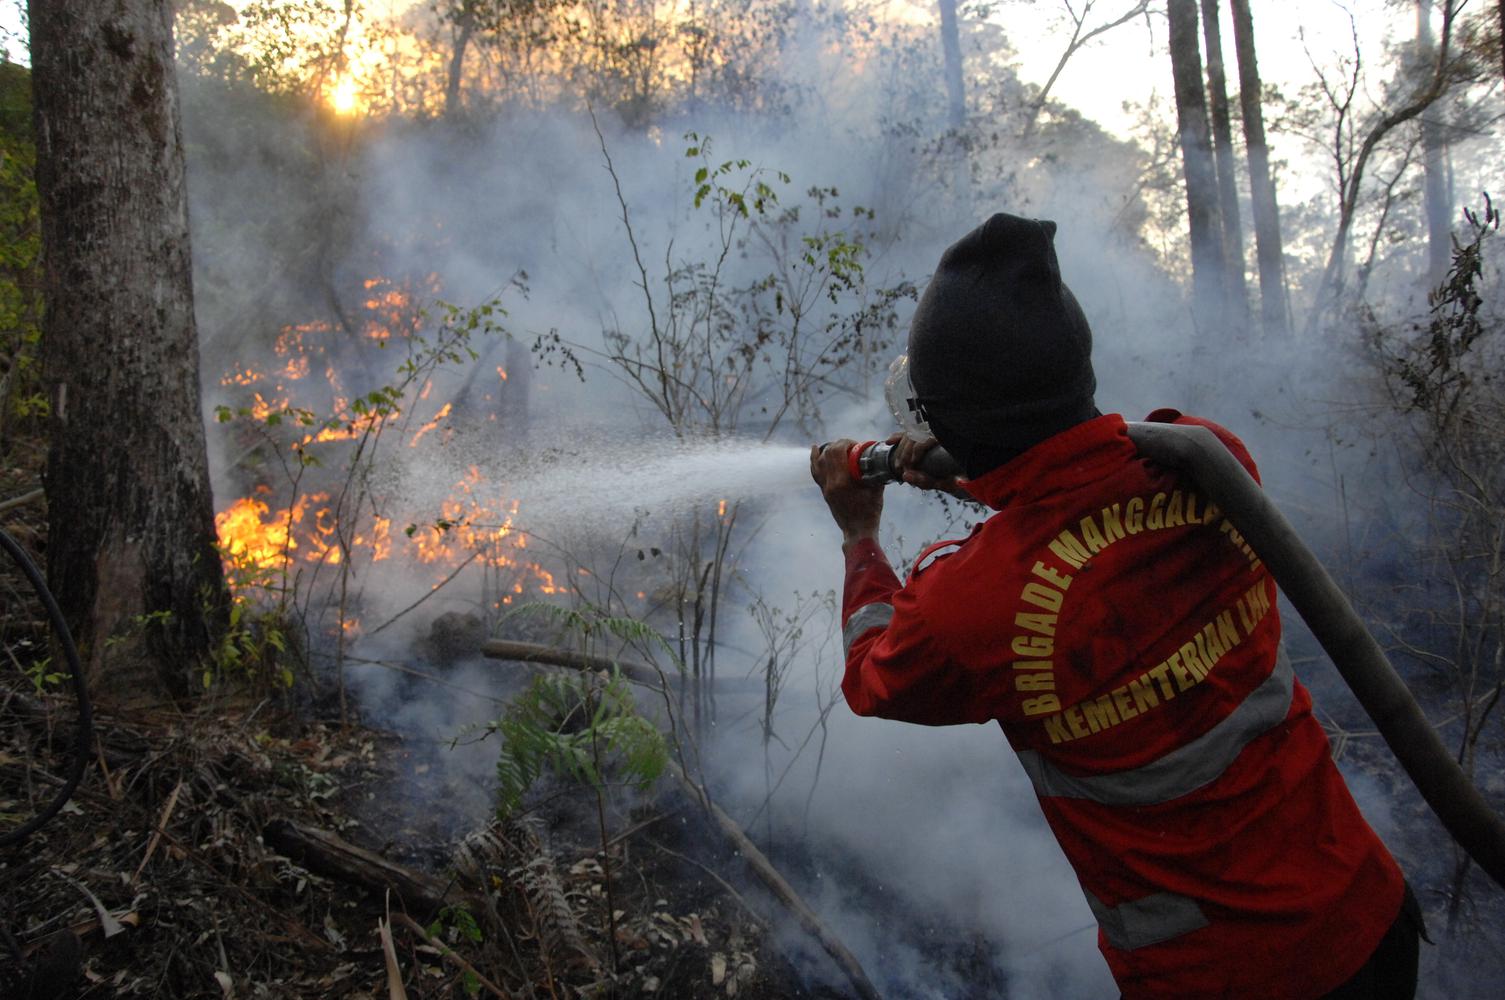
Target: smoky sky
<point>288,214</point>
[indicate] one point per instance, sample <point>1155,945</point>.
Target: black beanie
<point>1000,354</point>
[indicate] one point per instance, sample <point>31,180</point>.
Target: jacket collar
<point>1075,457</point>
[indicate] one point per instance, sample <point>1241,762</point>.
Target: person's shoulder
<point>1231,441</point>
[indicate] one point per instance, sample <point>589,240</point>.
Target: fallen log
<point>327,854</point>
<point>532,652</point>
<point>637,673</point>
<point>724,824</point>
<point>780,887</point>
<point>23,499</point>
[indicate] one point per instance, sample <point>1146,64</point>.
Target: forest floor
<point>171,873</point>
<point>238,847</point>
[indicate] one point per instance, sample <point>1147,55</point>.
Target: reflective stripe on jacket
<point>1126,639</point>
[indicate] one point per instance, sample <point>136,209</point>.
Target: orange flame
<point>242,378</point>
<point>354,428</point>
<point>475,524</point>
<point>248,538</point>
<point>381,539</point>
<point>443,412</point>
<point>261,408</point>
<point>290,340</point>
<point>390,299</point>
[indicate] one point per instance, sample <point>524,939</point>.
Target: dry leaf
<point>156,838</point>
<point>718,968</point>
<point>107,923</point>
<point>226,984</point>
<point>395,989</point>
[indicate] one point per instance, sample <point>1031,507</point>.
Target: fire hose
<point>1198,453</point>
<point>84,735</point>
<point>54,965</point>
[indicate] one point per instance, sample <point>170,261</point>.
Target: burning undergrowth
<point>345,531</point>
<point>314,431</point>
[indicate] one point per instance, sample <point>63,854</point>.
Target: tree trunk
<point>951,48</point>
<point>1330,287</point>
<point>1208,280</point>
<point>1227,165</point>
<point>467,27</point>
<point>131,554</point>
<point>1434,162</point>
<point>1274,310</point>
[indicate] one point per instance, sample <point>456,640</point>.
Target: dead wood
<point>332,856</point>
<point>532,652</point>
<point>637,673</point>
<point>780,887</point>
<point>23,499</point>
<point>417,929</point>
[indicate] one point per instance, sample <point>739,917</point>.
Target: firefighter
<point>1127,642</point>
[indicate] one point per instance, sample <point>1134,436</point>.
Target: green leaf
<point>541,729</point>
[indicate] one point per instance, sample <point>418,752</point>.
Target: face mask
<point>900,396</point>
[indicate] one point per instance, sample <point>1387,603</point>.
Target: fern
<point>561,936</point>
<point>564,724</point>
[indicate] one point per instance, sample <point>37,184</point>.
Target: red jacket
<point>1126,640</point>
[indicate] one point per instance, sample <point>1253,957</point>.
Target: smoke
<point>920,845</point>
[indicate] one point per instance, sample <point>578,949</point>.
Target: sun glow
<point>345,97</point>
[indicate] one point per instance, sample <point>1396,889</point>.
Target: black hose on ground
<point>1197,452</point>
<point>85,736</point>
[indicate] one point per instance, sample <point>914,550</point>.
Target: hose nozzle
<point>873,462</point>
